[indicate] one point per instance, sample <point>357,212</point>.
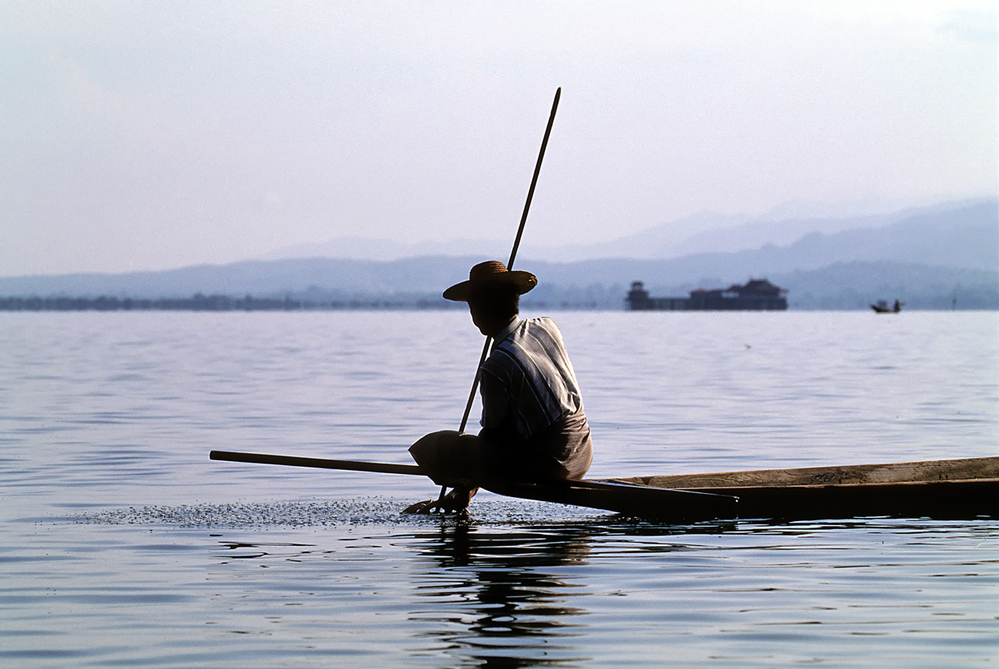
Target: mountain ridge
<point>920,257</point>
<point>703,232</point>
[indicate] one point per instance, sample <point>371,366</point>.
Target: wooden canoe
<point>966,488</point>
<point>952,489</point>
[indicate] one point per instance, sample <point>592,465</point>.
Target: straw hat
<point>490,272</point>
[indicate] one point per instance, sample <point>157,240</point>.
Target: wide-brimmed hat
<point>491,272</point>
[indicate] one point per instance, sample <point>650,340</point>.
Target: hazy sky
<point>149,135</point>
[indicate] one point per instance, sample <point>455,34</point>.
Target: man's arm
<point>495,403</point>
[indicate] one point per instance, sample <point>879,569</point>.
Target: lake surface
<point>123,545</point>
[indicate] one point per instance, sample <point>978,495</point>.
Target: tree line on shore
<point>198,302</point>
<point>808,296</point>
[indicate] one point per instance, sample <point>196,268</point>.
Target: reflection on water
<point>483,593</point>
<point>503,599</point>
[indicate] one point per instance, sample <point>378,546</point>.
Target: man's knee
<point>426,450</point>
<point>447,456</point>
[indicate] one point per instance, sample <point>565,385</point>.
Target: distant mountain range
<point>927,257</point>
<point>704,233</point>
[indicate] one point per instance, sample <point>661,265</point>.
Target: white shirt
<point>527,381</point>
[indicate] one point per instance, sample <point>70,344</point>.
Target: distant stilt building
<point>756,295</point>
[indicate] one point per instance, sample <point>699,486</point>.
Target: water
<point>123,545</point>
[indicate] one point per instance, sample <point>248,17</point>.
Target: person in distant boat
<point>533,425</point>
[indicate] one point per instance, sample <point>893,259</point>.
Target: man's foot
<point>456,501</point>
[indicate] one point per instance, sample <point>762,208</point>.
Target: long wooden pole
<point>513,252</point>
<point>320,463</point>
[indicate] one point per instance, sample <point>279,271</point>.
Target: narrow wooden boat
<point>954,489</point>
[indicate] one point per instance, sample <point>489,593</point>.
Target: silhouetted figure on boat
<point>533,425</point>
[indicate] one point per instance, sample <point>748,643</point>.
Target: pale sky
<point>153,135</point>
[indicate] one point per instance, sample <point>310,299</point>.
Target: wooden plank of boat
<point>964,488</point>
<point>657,502</point>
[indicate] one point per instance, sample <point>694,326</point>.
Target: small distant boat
<point>882,307</point>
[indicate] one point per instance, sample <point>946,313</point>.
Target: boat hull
<point>946,489</point>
